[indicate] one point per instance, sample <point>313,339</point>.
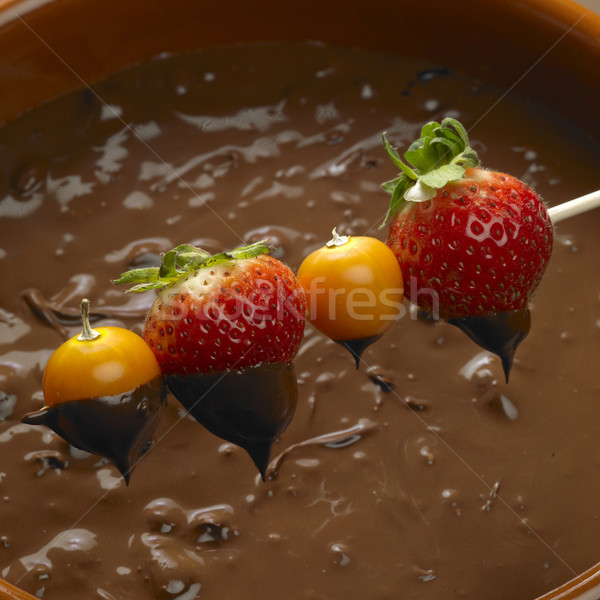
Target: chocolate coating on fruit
<point>250,407</point>
<point>358,346</point>
<point>500,333</point>
<point>103,393</point>
<point>119,427</point>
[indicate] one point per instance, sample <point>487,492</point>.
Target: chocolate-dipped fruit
<point>250,407</point>
<point>472,244</point>
<point>500,333</point>
<point>354,290</point>
<point>225,329</point>
<point>103,393</point>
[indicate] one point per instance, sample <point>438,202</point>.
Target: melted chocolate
<point>118,427</point>
<point>358,346</point>
<point>500,333</point>
<point>420,475</point>
<point>250,407</point>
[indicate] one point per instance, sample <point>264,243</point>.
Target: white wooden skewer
<point>574,207</point>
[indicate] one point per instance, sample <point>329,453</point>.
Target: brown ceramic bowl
<point>549,50</point>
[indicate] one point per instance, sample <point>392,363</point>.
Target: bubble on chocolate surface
<point>382,377</point>
<point>73,547</point>
<point>416,404</point>
<point>47,460</point>
<point>451,498</point>
<point>182,543</point>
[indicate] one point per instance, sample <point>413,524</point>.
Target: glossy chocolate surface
<point>118,427</point>
<point>500,333</point>
<point>249,407</point>
<point>420,475</point>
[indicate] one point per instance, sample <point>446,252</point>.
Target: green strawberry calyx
<point>182,260</point>
<point>439,156</point>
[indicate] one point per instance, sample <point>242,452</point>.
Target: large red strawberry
<point>228,311</point>
<point>471,243</point>
<point>225,329</point>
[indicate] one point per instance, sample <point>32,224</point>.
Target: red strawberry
<point>225,329</point>
<point>470,242</point>
<point>215,313</point>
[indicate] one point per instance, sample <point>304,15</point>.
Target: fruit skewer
<point>575,207</point>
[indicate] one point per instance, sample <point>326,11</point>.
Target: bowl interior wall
<point>545,49</point>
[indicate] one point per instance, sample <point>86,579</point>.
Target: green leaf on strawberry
<point>182,260</point>
<point>439,177</point>
<point>439,156</point>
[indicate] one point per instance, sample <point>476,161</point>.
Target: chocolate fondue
<point>420,475</point>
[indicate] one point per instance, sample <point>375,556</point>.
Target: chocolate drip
<point>118,427</point>
<point>249,407</point>
<point>358,346</point>
<point>500,333</point>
